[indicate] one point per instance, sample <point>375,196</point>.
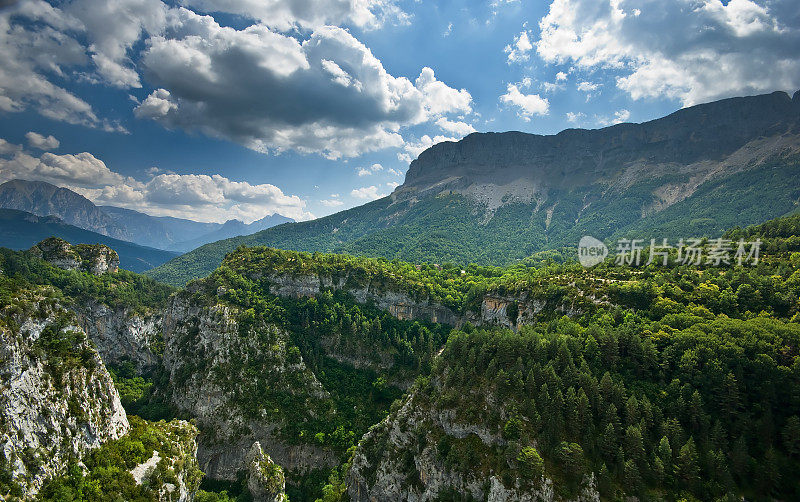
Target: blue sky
<point>215,109</point>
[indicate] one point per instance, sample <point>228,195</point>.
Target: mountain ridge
<point>160,232</point>
<point>20,230</point>
<point>519,203</point>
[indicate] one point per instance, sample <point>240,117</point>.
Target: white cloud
<point>439,98</point>
<point>366,171</point>
<point>36,140</point>
<point>550,87</point>
<point>520,49</point>
<point>331,202</point>
<point>286,14</point>
<point>414,148</point>
<point>7,148</point>
<point>328,94</point>
<point>367,193</point>
<point>587,86</point>
<point>561,76</point>
<point>574,117</point>
<point>290,81</point>
<point>81,169</point>
<point>527,104</point>
<point>704,50</point>
<point>198,197</point>
<point>619,117</point>
<point>395,172</point>
<point>392,184</point>
<point>457,128</point>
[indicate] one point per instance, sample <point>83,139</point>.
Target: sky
<point>219,109</point>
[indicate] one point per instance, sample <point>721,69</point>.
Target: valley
<point>384,380</point>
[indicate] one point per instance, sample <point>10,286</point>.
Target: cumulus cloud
<point>289,81</point>
<point>527,105</point>
<point>331,202</point>
<point>455,127</point>
<point>36,140</point>
<point>587,86</point>
<point>286,14</point>
<point>49,43</point>
<point>199,197</point>
<point>561,76</point>
<point>520,49</point>
<point>269,92</point>
<point>619,117</point>
<point>414,148</point>
<point>367,193</point>
<point>575,117</point>
<point>705,49</point>
<point>8,148</point>
<point>366,171</point>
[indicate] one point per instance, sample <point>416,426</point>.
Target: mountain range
<point>494,198</point>
<point>161,232</point>
<point>21,230</point>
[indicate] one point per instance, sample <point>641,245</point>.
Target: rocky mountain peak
<point>579,157</point>
<point>96,259</point>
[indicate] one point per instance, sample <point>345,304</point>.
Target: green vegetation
<point>22,270</point>
<point>107,475</point>
<point>451,228</point>
<point>676,382</point>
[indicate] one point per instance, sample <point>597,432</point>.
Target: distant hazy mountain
<point>21,230</point>
<point>162,232</point>
<point>231,228</point>
<point>493,198</point>
<point>44,199</point>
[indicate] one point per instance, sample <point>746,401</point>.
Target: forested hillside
<point>656,381</point>
<point>497,198</point>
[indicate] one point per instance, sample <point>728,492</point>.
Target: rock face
<point>96,259</point>
<point>44,199</point>
<point>120,334</point>
<point>172,472</point>
<point>400,459</point>
<point>265,478</point>
<point>496,310</point>
<point>58,399</point>
<point>577,157</point>
<point>396,303</point>
<point>216,370</point>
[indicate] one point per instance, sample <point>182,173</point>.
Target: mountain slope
<point>21,230</point>
<point>497,197</point>
<point>44,199</point>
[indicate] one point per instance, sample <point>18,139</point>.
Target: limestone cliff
<point>121,334</point>
<point>237,376</point>
<point>93,258</point>
<point>402,459</point>
<point>58,400</point>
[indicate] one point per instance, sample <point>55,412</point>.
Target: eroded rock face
<point>173,473</point>
<point>398,459</point>
<point>96,259</point>
<point>57,402</point>
<point>120,334</point>
<point>214,371</point>
<point>265,478</point>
